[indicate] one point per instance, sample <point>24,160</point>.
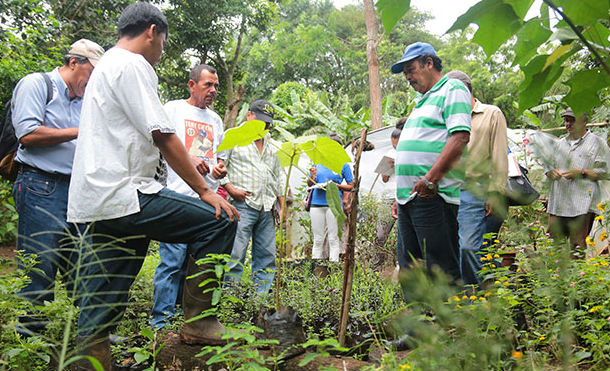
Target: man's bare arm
<point>43,136</point>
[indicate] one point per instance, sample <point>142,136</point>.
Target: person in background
<point>255,183</point>
<point>322,219</point>
<point>481,196</point>
<point>189,116</point>
<point>575,172</point>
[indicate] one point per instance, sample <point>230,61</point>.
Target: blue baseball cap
<point>413,51</point>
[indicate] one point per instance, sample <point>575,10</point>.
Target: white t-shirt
<point>115,155</point>
<point>201,131</point>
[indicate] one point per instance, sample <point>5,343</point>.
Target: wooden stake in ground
<point>348,271</point>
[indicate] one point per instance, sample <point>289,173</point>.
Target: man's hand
<point>238,195</point>
<point>554,174</point>
<point>572,174</point>
<point>219,171</point>
<point>394,210</point>
<point>219,204</point>
<point>200,165</point>
<point>422,190</point>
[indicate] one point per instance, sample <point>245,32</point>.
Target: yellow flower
<point>601,207</point>
<point>604,263</point>
<point>484,268</point>
<point>505,283</point>
<point>484,242</point>
<point>473,297</point>
<point>464,297</point>
<point>590,242</point>
<point>406,366</point>
<point>596,308</point>
<point>489,256</point>
<point>603,236</point>
<point>482,298</point>
<point>542,337</point>
<point>483,258</point>
<point>496,256</point>
<point>496,241</point>
<point>487,293</point>
<point>599,218</point>
<point>517,354</point>
<point>497,282</point>
<point>455,298</point>
<point>600,278</point>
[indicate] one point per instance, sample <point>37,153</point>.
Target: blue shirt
<point>324,174</point>
<point>30,112</point>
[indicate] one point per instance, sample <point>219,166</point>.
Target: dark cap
<point>413,51</point>
<point>568,113</point>
<point>263,110</point>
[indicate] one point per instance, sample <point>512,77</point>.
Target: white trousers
<point>323,221</point>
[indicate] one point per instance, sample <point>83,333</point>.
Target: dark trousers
<point>120,245</point>
<point>428,230</point>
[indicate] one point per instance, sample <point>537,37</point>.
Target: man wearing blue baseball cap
<point>432,142</point>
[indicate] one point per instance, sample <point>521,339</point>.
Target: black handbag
<point>308,199</point>
<point>519,190</point>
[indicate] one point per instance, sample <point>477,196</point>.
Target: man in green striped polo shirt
<point>432,142</point>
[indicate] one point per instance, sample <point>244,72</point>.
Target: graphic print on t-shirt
<point>199,139</point>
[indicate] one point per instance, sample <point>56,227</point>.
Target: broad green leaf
<point>544,15</point>
<point>584,90</point>
<point>218,269</point>
<point>148,333</point>
<point>538,80</point>
<point>333,197</point>
<point>288,151</point>
<point>598,33</point>
<point>497,23</point>
<point>557,53</point>
<point>585,12</point>
<point>243,135</point>
<point>327,152</point>
<point>140,357</point>
<point>529,38</point>
<point>392,11</point>
<point>521,7</point>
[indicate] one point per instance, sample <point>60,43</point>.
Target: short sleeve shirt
<point>201,131</point>
<point>324,174</point>
<point>30,111</point>
<point>440,112</point>
<point>115,153</point>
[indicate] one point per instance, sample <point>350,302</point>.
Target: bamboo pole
<point>348,271</point>
<point>595,124</point>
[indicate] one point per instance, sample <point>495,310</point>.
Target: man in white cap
<point>431,143</point>
<point>45,114</point>
<point>579,164</point>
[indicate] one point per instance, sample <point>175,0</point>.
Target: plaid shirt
<point>571,198</point>
<point>258,173</point>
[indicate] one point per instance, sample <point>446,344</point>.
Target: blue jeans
<point>473,226</point>
<point>41,201</point>
<point>169,282</point>
<point>260,226</point>
<point>428,230</point>
<point>120,245</point>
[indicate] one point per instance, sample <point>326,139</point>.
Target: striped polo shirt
<point>438,113</point>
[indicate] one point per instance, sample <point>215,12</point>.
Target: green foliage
<point>8,214</point>
<point>149,351</point>
<point>243,135</point>
<point>392,11</point>
<point>283,95</point>
<point>583,28</point>
<point>333,198</point>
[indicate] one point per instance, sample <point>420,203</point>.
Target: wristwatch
<point>431,186</point>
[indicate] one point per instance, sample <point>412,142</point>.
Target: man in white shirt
<point>193,119</point>
<point>125,137</point>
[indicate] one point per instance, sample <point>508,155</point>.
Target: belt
<point>31,169</point>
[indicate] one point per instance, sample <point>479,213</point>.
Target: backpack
<point>8,140</point>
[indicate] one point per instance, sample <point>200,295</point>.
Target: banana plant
<point>320,150</point>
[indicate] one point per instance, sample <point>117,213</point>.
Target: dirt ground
<point>7,253</point>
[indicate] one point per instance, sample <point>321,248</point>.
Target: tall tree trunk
<point>372,29</point>
<point>233,97</point>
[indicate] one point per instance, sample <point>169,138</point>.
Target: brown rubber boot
<point>98,347</point>
<point>207,330</point>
